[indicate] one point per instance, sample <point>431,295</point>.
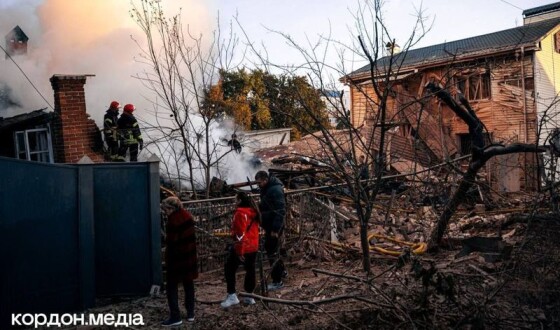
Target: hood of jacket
<point>273,181</point>
<point>248,211</point>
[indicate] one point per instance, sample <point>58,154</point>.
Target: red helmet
<point>129,108</point>
<point>114,105</point>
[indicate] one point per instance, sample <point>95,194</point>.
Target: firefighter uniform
<point>129,134</point>
<point>110,130</point>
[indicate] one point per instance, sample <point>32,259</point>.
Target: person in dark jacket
<point>363,168</point>
<point>245,235</point>
<point>180,259</point>
<point>273,210</point>
<point>110,130</point>
<point>129,134</point>
<point>234,144</point>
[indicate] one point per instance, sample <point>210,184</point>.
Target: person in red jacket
<point>180,259</point>
<point>245,234</point>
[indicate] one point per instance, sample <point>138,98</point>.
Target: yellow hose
<point>227,233</point>
<point>221,233</point>
<point>417,248</point>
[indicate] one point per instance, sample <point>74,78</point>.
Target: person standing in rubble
<point>363,168</point>
<point>234,143</point>
<point>110,130</point>
<point>245,234</point>
<point>273,210</point>
<point>130,137</point>
<point>180,259</point>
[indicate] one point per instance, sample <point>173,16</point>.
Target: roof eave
<point>360,76</point>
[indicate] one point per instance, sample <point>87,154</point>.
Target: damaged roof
<point>37,116</point>
<point>506,40</point>
<point>401,149</point>
<point>17,34</point>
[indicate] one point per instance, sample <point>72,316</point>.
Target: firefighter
<point>234,143</point>
<point>129,134</point>
<point>110,130</point>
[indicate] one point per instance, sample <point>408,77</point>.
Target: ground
<point>466,286</point>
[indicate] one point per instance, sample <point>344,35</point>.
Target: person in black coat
<point>364,168</point>
<point>273,210</point>
<point>234,144</point>
<point>110,130</point>
<point>129,134</point>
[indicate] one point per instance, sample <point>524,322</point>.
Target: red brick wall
<point>74,133</point>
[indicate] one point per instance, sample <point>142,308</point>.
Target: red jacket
<point>181,259</point>
<point>245,235</point>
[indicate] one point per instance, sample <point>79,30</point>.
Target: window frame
<point>22,148</point>
<point>483,90</point>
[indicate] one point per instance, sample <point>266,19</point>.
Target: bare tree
<point>181,67</point>
<point>480,154</point>
<point>379,84</point>
<point>341,149</point>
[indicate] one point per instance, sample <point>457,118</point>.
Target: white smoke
<point>233,167</point>
<point>83,37</point>
<point>96,37</point>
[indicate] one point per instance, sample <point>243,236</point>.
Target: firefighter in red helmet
<point>110,130</point>
<point>129,134</point>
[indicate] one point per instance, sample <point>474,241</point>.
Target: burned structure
<point>62,136</point>
<point>16,42</point>
<point>509,77</point>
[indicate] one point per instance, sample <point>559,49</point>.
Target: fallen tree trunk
<point>479,156</point>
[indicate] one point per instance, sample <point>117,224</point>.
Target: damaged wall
<point>501,91</point>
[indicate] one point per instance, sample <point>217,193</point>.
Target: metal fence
<point>72,233</point>
<point>306,214</point>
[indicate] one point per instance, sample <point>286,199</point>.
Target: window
<point>34,145</point>
<point>475,86</point>
<point>557,42</point>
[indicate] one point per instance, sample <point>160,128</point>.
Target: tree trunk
<point>365,246</point>
<point>451,206</point>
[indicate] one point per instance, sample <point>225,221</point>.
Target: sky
<point>449,19</point>
<point>97,36</point>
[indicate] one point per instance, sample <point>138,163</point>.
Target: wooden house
<point>511,79</point>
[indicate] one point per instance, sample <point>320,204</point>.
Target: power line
<point>29,80</point>
<point>511,4</point>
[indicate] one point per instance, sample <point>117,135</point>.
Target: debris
<point>493,248</point>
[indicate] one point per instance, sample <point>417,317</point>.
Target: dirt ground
<point>452,288</point>
<point>301,284</point>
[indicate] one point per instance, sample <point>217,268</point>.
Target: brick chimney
<point>74,134</point>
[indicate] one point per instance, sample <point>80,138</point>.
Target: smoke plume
<point>82,37</point>
<point>97,37</point>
